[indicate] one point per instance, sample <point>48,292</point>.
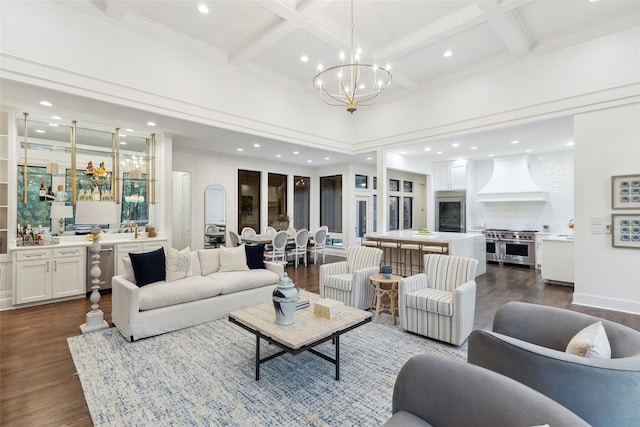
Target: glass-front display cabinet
<point>59,164</point>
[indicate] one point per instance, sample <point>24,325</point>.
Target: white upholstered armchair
<point>348,281</point>
<point>441,302</point>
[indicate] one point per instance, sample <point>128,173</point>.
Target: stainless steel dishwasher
<point>106,268</point>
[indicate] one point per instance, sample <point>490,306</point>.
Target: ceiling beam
<point>507,28</point>
<point>291,20</point>
<point>445,27</point>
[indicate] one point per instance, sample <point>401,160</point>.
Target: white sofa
<point>207,294</point>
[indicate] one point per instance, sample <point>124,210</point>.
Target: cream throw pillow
<point>233,259</point>
<point>591,342</point>
<point>178,264</point>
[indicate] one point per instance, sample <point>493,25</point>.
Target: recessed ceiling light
<point>427,149</point>
<point>439,152</point>
<point>46,103</point>
<point>515,142</point>
<point>403,152</point>
<point>304,58</point>
<point>56,117</point>
<point>39,131</point>
<point>368,158</point>
<point>278,155</point>
<point>203,8</point>
<point>447,53</point>
<point>528,151</point>
<point>123,143</point>
<point>239,149</point>
<point>296,152</point>
<point>151,124</point>
<point>570,144</point>
<point>455,144</point>
<point>129,130</point>
<point>309,161</point>
<point>327,158</point>
<point>55,125</point>
<point>491,155</point>
<point>256,145</point>
<point>123,136</point>
<point>474,148</point>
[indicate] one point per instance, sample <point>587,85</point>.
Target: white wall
<point>553,172</point>
<point>607,144</point>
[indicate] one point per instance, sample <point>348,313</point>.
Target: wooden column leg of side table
<point>379,294</point>
<point>394,305</point>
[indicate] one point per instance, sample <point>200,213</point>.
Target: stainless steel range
<point>511,247</point>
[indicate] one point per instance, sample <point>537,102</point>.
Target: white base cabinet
<point>44,274</point>
<point>122,250</point>
<point>557,261</point>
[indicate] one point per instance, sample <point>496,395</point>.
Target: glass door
<point>362,218</point>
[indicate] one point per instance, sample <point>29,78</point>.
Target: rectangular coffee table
<point>306,332</point>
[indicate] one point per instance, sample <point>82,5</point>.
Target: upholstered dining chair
<point>278,248</point>
<point>270,231</point>
<point>441,302</point>
<point>234,238</point>
<point>300,249</point>
<point>318,245</point>
<point>529,343</point>
<point>248,232</point>
<point>348,281</point>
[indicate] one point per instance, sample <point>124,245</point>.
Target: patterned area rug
<point>204,375</point>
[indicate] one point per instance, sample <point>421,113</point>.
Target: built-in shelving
<point>4,183</point>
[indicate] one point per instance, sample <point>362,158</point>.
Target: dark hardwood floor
<point>39,386</point>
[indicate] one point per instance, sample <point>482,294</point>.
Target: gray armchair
<point>528,344</point>
<point>435,391</point>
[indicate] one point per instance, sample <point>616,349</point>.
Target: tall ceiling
<point>267,39</point>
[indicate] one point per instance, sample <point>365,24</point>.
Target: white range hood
<point>511,182</point>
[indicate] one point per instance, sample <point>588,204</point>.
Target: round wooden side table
<point>389,287</point>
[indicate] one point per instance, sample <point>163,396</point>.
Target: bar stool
<point>439,248</point>
<point>412,251</point>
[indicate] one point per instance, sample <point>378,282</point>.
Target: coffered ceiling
<point>266,39</point>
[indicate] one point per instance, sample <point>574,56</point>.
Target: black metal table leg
<point>337,357</point>
<point>257,357</point>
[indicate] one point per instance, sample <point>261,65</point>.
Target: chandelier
<point>352,84</point>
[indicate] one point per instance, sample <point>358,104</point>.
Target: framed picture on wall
<point>625,192</point>
<point>626,231</point>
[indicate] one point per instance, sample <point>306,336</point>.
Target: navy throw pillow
<point>148,267</point>
<point>255,256</point>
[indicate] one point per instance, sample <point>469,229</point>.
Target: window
<point>134,195</point>
<point>331,202</point>
<point>276,199</point>
<point>301,199</point>
<point>394,185</point>
<point>408,186</point>
<point>394,212</point>
<point>248,199</point>
<point>361,182</point>
<point>407,204</point>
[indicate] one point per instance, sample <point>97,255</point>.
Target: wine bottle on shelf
<point>42,193</point>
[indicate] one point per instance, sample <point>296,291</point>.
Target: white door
<point>363,221</point>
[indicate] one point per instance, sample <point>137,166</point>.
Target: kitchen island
<point>403,248</point>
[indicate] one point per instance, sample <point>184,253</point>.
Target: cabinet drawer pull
<point>47,266</point>
<point>67,252</point>
<point>55,265</point>
<point>34,256</point>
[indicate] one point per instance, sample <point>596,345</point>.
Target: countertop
<point>106,239</point>
<point>558,238</point>
<point>415,235</point>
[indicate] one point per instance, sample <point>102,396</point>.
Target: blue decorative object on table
<point>285,298</point>
<point>386,271</point>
